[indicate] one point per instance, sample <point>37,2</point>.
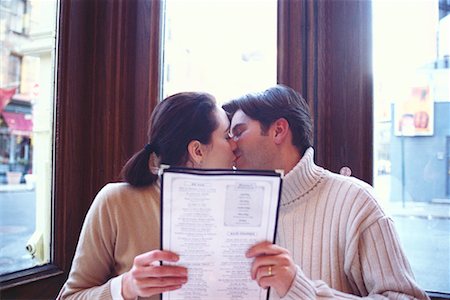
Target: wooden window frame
<point>325,53</point>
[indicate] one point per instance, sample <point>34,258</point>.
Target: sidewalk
<point>16,187</point>
<point>428,210</point>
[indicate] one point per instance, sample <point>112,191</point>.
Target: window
<point>13,75</point>
<point>411,130</point>
<point>226,48</point>
<point>27,89</point>
<point>18,16</point>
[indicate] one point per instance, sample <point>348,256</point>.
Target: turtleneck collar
<point>301,179</point>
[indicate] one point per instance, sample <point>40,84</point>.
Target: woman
<point>118,251</point>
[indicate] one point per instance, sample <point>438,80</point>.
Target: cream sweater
<point>336,232</point>
<point>340,239</point>
<point>122,223</point>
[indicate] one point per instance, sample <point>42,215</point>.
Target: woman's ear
<point>195,151</point>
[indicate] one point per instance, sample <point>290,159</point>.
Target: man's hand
<point>272,267</point>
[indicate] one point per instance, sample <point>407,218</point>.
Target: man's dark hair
<point>277,102</point>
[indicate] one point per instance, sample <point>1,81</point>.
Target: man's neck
<point>290,158</point>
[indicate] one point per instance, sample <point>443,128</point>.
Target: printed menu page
<point>210,219</point>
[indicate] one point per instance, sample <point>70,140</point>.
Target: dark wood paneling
<point>297,49</point>
<point>292,47</point>
<point>331,66</point>
<point>106,62</point>
<point>344,85</point>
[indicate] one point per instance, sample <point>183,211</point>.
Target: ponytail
<point>136,171</point>
<point>174,122</point>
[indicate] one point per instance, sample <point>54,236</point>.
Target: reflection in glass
<point>412,130</point>
<point>27,55</point>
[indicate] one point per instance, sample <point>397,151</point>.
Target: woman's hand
<point>147,277</point>
<point>272,267</point>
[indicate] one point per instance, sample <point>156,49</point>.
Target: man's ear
<point>280,130</point>
<point>195,151</point>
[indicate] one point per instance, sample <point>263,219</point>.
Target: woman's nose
<point>233,144</point>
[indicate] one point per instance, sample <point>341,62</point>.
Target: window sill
<point>28,275</point>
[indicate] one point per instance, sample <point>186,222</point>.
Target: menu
<point>210,218</point>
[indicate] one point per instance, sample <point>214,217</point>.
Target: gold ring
<point>269,271</point>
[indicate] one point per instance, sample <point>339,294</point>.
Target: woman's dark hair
<point>175,121</point>
<point>277,102</point>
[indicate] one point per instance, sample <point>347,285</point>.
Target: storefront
<point>16,127</point>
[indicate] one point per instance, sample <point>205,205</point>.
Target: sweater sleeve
<point>377,268</point>
<point>92,266</point>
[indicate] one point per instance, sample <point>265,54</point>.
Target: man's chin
<point>243,166</point>
<point>239,166</point>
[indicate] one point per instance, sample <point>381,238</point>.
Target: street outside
<point>17,224</point>
<point>426,242</point>
<point>425,239</point>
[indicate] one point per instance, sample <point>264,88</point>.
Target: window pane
<point>26,114</point>
<point>412,130</point>
<point>227,48</point>
<point>17,15</point>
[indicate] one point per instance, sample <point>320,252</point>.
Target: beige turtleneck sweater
<point>341,240</point>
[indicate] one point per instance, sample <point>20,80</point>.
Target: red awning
<point>20,124</point>
<point>5,96</point>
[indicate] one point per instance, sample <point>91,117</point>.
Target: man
<point>333,239</point>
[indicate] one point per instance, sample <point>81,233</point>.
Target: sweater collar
<point>303,178</point>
